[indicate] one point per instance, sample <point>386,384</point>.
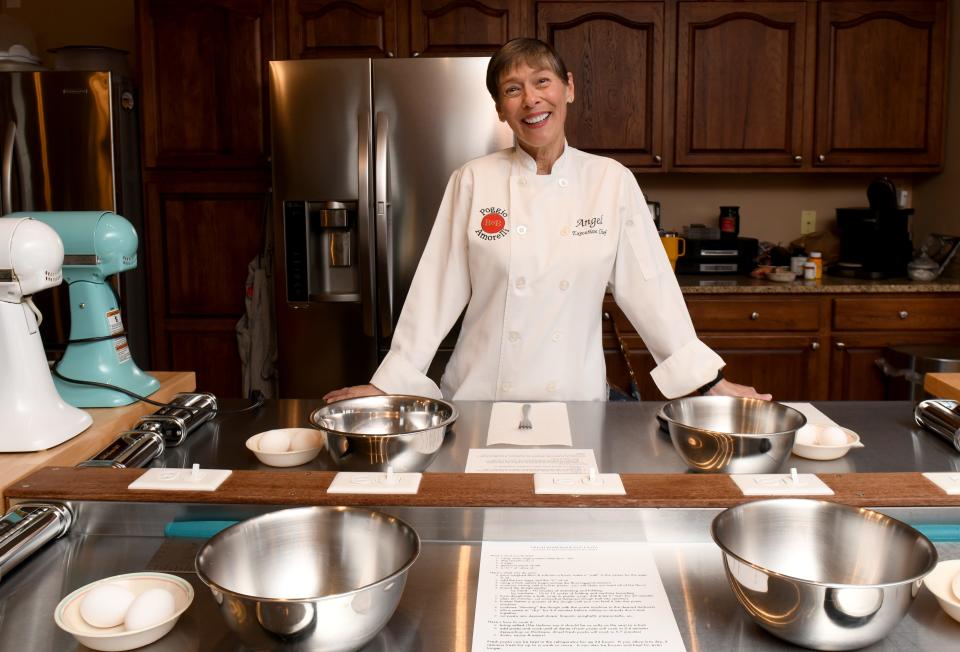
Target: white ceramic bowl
<point>112,639</point>
<point>821,452</point>
<point>781,276</point>
<point>940,581</point>
<point>289,458</point>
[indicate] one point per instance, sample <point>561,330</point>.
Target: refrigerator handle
<point>381,202</point>
<point>365,227</point>
<point>9,137</point>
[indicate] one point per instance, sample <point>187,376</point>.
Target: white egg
<point>807,435</point>
<point>956,586</point>
<point>105,605</point>
<point>831,436</point>
<point>304,439</point>
<point>150,608</point>
<point>274,441</point>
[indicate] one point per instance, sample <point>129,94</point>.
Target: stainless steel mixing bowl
<point>819,574</point>
<point>311,579</point>
<point>374,432</point>
<point>723,434</point>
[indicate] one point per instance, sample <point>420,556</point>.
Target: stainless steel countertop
<point>437,609</point>
<point>624,436</point>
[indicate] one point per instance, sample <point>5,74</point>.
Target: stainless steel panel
<point>441,116</point>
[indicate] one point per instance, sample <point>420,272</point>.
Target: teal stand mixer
<point>96,245</point>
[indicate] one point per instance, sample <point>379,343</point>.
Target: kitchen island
<point>665,507</point>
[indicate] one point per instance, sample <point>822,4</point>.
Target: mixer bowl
<point>819,574</point>
<point>311,579</point>
<point>373,432</point>
<point>724,434</point>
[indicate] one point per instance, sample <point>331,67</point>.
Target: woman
<point>528,239</point>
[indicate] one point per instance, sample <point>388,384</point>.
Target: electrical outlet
<point>808,222</point>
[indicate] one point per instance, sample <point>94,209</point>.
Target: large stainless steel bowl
<point>374,432</point>
<point>723,434</point>
<point>819,574</point>
<point>317,579</point>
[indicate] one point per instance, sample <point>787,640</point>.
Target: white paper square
<point>530,460</point>
<point>949,482</point>
<point>780,484</point>
<point>374,483</point>
<point>181,479</point>
<point>551,426</point>
<point>579,484</point>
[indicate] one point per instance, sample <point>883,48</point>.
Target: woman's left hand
<point>726,388</point>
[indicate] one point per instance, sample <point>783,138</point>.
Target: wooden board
<point>943,385</point>
<point>107,424</point>
<point>292,488</point>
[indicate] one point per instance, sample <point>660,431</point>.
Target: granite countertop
<point>722,284</point>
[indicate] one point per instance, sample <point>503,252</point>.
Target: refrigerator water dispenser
<point>321,251</point>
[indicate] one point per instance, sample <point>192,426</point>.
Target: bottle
<point>817,260</point>
<point>809,271</point>
<point>729,221</point>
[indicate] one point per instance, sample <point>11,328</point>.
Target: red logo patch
<point>492,223</point>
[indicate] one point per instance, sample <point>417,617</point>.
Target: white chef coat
<point>531,256</point>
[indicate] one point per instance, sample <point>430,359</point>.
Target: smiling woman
<point>528,240</point>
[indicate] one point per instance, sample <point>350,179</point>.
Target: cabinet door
<point>443,28</point>
<point>854,373</point>
<point>880,84</point>
<point>203,64</point>
<point>342,28</point>
<point>740,80</point>
<point>615,52</point>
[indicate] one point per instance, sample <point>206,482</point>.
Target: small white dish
<point>113,639</point>
<point>826,452</point>
<point>940,581</point>
<point>288,458</point>
<point>782,276</point>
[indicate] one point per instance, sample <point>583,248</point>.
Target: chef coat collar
<point>528,163</point>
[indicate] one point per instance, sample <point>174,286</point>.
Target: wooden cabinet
<point>740,84</point>
<point>800,348</point>
<point>880,84</point>
<point>342,28</point>
<point>443,28</point>
<point>615,51</point>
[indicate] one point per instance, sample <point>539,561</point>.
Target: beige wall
<point>937,198</point>
<point>75,22</point>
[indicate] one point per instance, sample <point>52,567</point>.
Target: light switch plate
<point>375,483</point>
<point>808,222</point>
<point>949,482</point>
<point>781,484</point>
<point>602,484</point>
<point>181,479</point>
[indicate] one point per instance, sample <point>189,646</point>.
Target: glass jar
<point>730,221</point>
<point>809,271</point>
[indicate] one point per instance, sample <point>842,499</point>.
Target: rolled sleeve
<point>396,375</point>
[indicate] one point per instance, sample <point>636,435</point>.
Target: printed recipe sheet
<point>571,597</point>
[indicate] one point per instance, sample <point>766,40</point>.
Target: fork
<point>525,423</point>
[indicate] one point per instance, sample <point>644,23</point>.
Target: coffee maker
<point>874,242</point>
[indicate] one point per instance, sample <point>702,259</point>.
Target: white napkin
<point>814,416</point>
<point>550,425</point>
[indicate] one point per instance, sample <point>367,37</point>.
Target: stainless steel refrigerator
<point>70,143</point>
<point>362,152</point>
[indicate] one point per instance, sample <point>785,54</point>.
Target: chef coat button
<point>506,386</point>
<point>551,387</point>
<point>629,222</point>
<point>564,231</point>
<point>564,285</point>
<point>562,182</point>
<point>522,181</point>
<point>556,336</point>
<point>521,283</point>
<point>521,229</point>
<point>514,336</point>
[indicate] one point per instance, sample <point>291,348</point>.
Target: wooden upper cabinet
<point>342,28</point>
<point>615,51</point>
<point>203,64</point>
<point>443,28</point>
<point>740,80</point>
<point>880,84</point>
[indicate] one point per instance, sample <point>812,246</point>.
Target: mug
<point>675,246</point>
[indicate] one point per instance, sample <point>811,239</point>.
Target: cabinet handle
<point>390,53</point>
<point>815,346</point>
<point>821,158</point>
<point>754,316</point>
<point>416,54</point>
<point>903,314</point>
<point>657,158</point>
<point>840,346</point>
<point>798,159</point>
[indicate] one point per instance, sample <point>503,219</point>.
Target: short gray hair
<point>530,51</point>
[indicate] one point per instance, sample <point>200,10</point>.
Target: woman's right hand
<point>352,392</point>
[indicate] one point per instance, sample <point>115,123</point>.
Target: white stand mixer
<point>32,415</point>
